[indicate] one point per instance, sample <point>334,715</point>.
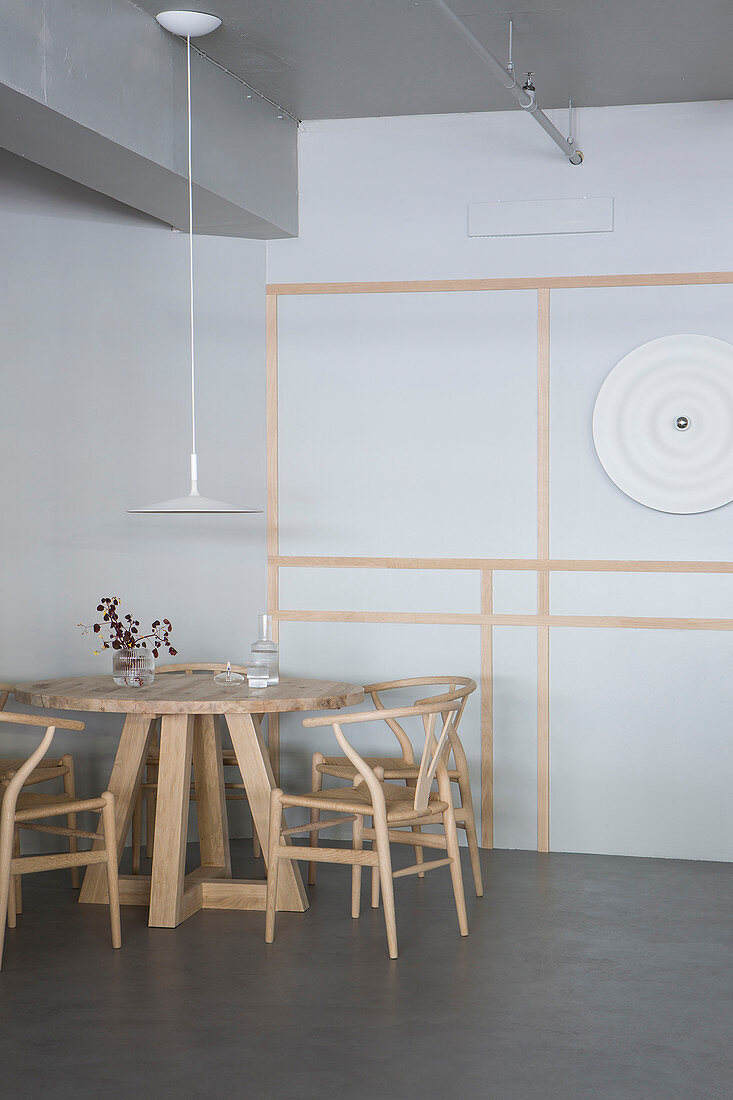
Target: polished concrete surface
<point>583,976</point>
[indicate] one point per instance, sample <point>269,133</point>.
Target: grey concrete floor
<point>583,976</point>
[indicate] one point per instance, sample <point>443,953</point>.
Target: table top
<point>177,693</point>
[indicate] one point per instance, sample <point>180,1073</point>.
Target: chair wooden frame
<point>404,769</point>
<point>31,811</point>
<point>49,768</point>
<point>391,809</point>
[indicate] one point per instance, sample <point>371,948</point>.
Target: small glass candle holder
<point>228,677</point>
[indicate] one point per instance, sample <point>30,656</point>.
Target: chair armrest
<point>40,720</point>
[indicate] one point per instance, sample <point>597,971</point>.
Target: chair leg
<point>6,854</point>
<point>316,785</point>
<point>375,882</point>
<point>375,887</point>
<point>70,790</point>
<point>419,857</point>
<point>468,815</point>
<point>385,877</point>
<point>454,852</point>
<point>17,878</point>
<point>469,821</point>
<point>356,867</point>
<point>110,844</point>
<point>276,813</point>
<point>11,903</point>
<point>137,833</point>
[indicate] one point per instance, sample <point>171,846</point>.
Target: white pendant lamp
<point>191,24</point>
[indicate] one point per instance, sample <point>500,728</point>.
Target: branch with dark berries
<point>124,633</point>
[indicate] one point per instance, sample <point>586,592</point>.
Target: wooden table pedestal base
<point>204,888</point>
<point>186,740</point>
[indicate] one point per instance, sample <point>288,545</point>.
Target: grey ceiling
<point>351,58</point>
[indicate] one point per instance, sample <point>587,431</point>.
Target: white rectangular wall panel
<point>380,590</point>
<point>641,753</point>
<point>676,595</point>
<point>402,430</point>
<point>515,737</point>
<point>532,217</point>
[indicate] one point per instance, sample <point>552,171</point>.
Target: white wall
<point>94,419</point>
<point>386,198</point>
<point>639,720</point>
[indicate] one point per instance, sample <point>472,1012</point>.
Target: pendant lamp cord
<point>190,255</point>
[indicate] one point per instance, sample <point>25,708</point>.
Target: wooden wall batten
<point>543,565</point>
<point>551,282</point>
<point>543,576</point>
<point>273,506</point>
<point>486,688</point>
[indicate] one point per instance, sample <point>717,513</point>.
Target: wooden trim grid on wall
<point>543,565</point>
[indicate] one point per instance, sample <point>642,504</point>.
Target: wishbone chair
<point>30,810</point>
<point>391,808</point>
<point>50,767</point>
<point>405,768</point>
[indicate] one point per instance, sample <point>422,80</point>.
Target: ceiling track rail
<point>282,111</point>
<point>525,97</point>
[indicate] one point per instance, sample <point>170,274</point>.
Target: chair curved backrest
<point>458,687</point>
<point>19,776</point>
<point>43,774</point>
<point>437,742</point>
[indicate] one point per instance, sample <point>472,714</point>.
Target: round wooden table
<point>187,706</point>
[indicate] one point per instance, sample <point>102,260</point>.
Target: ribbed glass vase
<point>133,667</point>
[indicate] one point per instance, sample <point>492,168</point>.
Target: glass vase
<point>133,667</point>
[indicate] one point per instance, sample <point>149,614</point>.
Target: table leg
<point>171,821</point>
<point>123,783</point>
<point>211,807</point>
<point>257,776</point>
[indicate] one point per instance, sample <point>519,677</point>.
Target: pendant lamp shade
<point>192,504</point>
<point>191,24</point>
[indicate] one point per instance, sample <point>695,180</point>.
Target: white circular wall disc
<point>193,23</point>
<point>663,424</point>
